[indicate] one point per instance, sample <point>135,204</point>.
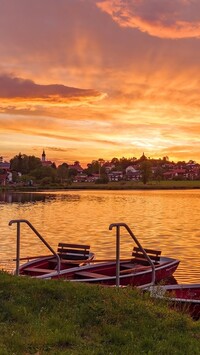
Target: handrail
<point>18,221</point>
<point>118,225</point>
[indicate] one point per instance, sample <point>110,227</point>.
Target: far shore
<point>117,185</point>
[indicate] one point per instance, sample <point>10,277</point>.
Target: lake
<point>165,220</point>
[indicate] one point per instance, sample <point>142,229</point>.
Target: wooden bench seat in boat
<point>64,261</point>
<point>139,257</point>
<point>89,275</point>
<point>38,270</point>
<point>131,267</point>
<point>73,251</point>
<point>71,262</point>
<point>128,266</point>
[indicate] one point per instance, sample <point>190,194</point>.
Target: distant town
<point>30,170</point>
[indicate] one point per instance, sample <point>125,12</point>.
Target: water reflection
<point>8,197</point>
<point>28,197</point>
<point>163,220</point>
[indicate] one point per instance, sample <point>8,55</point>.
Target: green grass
<point>133,185</point>
<point>118,185</point>
<point>56,317</point>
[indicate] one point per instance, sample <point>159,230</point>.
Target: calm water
<point>163,220</point>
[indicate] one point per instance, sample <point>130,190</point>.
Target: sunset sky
<point>90,79</point>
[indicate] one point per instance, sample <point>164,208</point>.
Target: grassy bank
<point>56,317</point>
<point>133,185</point>
<point>118,185</point>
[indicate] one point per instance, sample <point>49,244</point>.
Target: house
<point>175,173</point>
<point>132,173</point>
<point>5,174</point>
<point>93,178</point>
<point>3,178</point>
<point>80,178</point>
<point>115,175</point>
<point>108,167</point>
<point>4,165</point>
<point>76,166</point>
<point>193,173</point>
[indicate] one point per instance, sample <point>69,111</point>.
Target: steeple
<point>43,156</point>
<point>143,157</point>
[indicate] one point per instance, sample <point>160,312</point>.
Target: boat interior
<point>71,255</point>
<point>73,252</point>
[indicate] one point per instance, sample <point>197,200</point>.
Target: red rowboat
<point>144,266</point>
<point>135,271</point>
<point>184,297</point>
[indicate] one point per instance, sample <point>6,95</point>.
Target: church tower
<point>43,156</point>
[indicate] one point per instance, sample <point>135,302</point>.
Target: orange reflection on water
<point>163,220</point>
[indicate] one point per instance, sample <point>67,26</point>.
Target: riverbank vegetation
<point>138,185</point>
<point>117,185</point>
<point>56,317</point>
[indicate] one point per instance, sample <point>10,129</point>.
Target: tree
<point>72,173</point>
<point>33,163</point>
<point>92,168</point>
<point>115,161</point>
<point>44,171</point>
<point>24,164</point>
<point>159,173</point>
<point>62,172</point>
<point>165,159</point>
<point>101,162</point>
<point>145,168</point>
<point>53,165</point>
<point>133,159</point>
<point>18,163</point>
<point>124,163</point>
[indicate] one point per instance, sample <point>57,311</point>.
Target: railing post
<point>117,255</point>
<point>18,221</point>
<point>118,225</point>
<point>18,249</point>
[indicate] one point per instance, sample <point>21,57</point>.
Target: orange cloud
<point>152,82</point>
<point>164,19</point>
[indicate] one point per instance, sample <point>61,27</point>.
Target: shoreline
<point>115,186</point>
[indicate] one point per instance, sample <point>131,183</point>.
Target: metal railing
<point>18,222</point>
<point>118,225</point>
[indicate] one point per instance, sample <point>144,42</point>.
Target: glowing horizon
<point>100,79</point>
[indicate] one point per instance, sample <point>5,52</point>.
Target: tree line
<point>30,168</point>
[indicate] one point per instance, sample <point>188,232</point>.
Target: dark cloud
<point>13,88</point>
<point>65,150</point>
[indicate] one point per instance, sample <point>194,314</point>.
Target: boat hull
<point>131,273</point>
<point>185,297</point>
<point>105,273</point>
